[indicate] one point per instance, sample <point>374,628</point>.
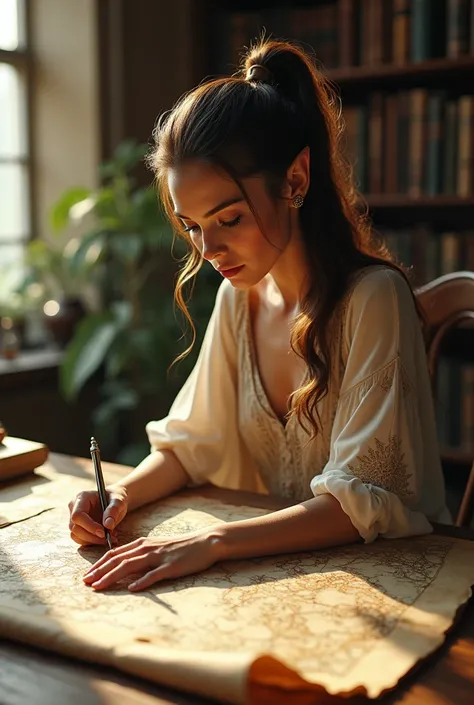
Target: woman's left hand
<point>158,559</point>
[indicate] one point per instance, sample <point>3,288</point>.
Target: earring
<point>297,201</point>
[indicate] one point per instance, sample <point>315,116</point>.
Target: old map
<point>355,618</point>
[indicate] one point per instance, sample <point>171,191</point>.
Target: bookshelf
<point>404,70</point>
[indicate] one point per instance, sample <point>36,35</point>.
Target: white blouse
<point>377,453</point>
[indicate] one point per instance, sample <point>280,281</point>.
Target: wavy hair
<point>250,126</point>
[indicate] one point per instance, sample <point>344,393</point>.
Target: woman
<point>312,380</point>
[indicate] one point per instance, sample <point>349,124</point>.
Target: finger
<point>80,516</point>
<point>114,513</point>
<point>163,572</point>
<point>77,532</point>
<point>100,533</point>
<point>125,567</point>
<point>116,554</point>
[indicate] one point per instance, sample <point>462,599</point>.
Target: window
<point>15,201</point>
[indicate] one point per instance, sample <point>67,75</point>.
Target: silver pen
<point>95,454</point>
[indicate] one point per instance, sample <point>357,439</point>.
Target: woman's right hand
<point>86,519</point>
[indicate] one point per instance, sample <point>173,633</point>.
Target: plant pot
<point>61,323</point>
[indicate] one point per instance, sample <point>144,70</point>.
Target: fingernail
<point>133,586</point>
<point>109,523</point>
<point>100,533</point>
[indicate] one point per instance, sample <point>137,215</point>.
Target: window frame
<point>21,59</point>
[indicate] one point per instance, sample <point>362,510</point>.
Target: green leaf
<point>128,248</point>
<point>129,153</point>
<point>86,352</point>
<point>122,311</point>
<point>123,400</point>
<point>59,213</point>
<point>133,453</point>
<point>89,251</point>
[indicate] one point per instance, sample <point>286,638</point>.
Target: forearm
<point>159,475</point>
<point>318,523</point>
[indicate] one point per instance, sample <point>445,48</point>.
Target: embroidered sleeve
<point>375,466</point>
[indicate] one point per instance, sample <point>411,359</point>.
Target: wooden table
<point>36,677</point>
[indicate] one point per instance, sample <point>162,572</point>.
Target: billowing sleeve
<point>201,427</point>
<point>375,467</point>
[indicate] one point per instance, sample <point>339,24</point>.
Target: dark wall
<point>150,52</point>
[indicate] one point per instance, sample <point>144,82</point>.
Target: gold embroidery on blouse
<point>384,467</point>
<point>386,383</point>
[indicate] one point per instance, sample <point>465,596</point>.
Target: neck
<point>289,278</point>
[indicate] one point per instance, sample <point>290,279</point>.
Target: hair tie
<point>257,72</point>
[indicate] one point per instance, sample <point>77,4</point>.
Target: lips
<point>230,272</point>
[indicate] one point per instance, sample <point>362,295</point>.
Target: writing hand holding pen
<point>95,513</point>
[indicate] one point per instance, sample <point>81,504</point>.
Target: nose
<point>211,248</point>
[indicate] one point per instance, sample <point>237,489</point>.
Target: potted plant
<point>131,334</point>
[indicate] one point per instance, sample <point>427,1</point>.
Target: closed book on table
<point>19,457</point>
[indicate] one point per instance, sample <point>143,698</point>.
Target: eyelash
<point>223,223</point>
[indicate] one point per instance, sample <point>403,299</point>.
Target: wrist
<point>216,538</point>
<point>118,490</point>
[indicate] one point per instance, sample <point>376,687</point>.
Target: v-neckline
<point>257,380</point>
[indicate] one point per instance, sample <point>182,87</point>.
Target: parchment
<point>354,619</point>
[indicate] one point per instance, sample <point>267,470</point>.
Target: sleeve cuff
<point>372,510</point>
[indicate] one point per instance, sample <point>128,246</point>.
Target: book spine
<point>450,147</point>
<point>403,128</point>
<point>432,257</point>
<point>347,45</point>
<point>420,30</point>
<point>401,31</point>
<point>450,252</point>
<point>457,41</point>
<point>386,31</point>
<point>435,143</point>
<point>391,146</point>
<point>417,141</point>
<point>468,258</point>
<point>365,40</point>
<point>376,142</point>
<point>362,147</point>
<point>465,145</point>
<point>375,19</point>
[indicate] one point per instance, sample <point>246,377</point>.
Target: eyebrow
<point>216,209</point>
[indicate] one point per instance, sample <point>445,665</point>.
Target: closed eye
<point>230,223</point>
<point>223,223</point>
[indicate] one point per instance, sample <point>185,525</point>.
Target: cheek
<point>272,236</point>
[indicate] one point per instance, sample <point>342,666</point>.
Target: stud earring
<point>297,201</point>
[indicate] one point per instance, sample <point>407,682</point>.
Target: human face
<point>221,225</point>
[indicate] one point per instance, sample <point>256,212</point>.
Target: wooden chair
<point>447,302</point>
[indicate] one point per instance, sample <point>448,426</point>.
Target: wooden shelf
<point>401,200</point>
<point>406,73</point>
<point>457,456</point>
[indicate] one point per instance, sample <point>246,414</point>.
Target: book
<point>19,456</point>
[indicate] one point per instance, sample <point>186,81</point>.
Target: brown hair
<point>258,126</point>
